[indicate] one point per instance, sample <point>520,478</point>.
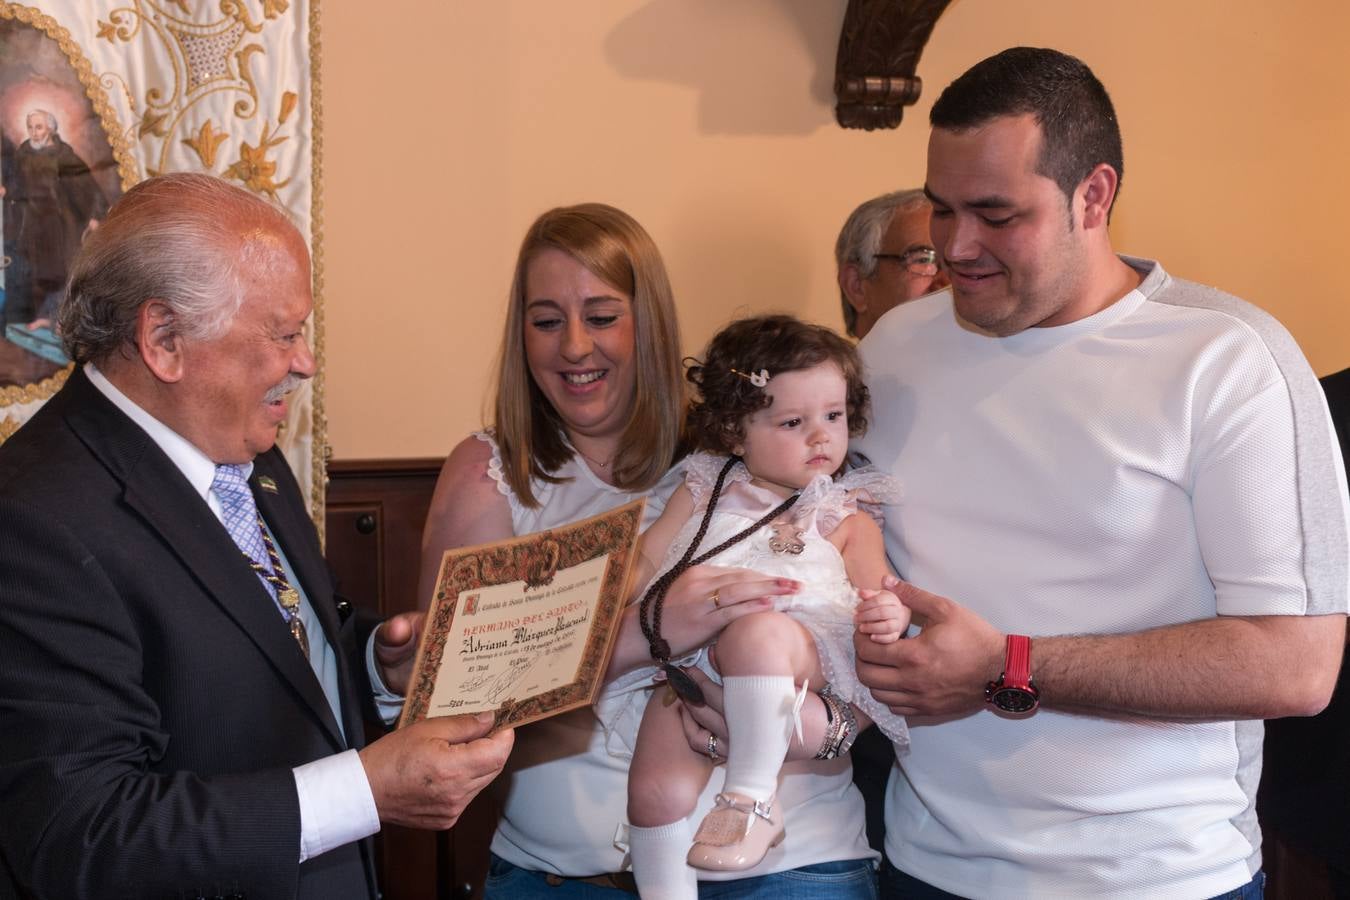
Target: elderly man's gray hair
<point>175,238</point>
<point>860,239</point>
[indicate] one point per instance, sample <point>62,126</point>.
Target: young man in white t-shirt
<point>1125,525</point>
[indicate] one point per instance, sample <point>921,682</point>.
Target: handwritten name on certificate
<point>524,628</point>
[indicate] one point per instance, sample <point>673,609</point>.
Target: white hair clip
<point>758,379</point>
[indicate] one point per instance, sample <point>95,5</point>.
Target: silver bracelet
<point>851,724</point>
<point>835,724</point>
<point>841,727</point>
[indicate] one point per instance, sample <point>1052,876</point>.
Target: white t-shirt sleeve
<point>1245,500</point>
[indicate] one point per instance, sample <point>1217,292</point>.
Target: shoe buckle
<point>761,808</point>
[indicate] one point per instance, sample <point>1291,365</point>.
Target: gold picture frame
<point>62,78</point>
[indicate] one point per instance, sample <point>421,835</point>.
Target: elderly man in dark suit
<point>182,692</point>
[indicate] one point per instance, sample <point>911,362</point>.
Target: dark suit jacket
<point>1305,787</point>
<point>152,700</point>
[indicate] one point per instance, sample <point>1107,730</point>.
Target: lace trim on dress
<point>701,471</point>
<point>495,472</point>
<point>834,501</point>
<point>830,500</point>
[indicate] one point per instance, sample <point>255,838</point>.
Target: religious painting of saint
<point>58,176</point>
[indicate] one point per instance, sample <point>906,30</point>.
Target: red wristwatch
<point>1015,691</point>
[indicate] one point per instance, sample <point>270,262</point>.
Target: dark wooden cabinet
<point>373,541</point>
<point>373,528</point>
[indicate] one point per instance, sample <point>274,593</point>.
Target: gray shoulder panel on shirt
<point>1326,544</point>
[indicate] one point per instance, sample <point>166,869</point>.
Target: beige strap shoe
<point>736,833</point>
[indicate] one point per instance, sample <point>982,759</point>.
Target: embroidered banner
<point>96,95</point>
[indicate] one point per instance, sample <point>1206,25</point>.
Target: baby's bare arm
<point>881,615</point>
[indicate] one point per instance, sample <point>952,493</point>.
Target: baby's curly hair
<point>779,344</point>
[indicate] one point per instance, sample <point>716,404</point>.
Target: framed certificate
<point>524,628</point>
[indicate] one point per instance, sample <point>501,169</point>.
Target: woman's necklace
<point>592,459</point>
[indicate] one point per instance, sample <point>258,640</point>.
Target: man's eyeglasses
<point>919,261</point>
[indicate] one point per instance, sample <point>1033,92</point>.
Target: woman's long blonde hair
<point>529,432</point>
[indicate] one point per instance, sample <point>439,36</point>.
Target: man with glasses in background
<point>885,257</point>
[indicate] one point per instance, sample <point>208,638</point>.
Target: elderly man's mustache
<point>290,383</point>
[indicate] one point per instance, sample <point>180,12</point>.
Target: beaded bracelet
<point>841,724</point>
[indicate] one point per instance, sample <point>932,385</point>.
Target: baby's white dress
<point>826,601</point>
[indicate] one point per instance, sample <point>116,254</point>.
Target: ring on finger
<point>716,598</point>
<point>712,746</point>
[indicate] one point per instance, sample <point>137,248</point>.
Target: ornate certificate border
<point>229,87</point>
<point>534,560</point>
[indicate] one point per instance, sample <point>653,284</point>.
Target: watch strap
<point>1017,661</point>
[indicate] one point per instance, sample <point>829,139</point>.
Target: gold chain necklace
<point>589,458</point>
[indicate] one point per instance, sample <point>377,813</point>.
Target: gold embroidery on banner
<point>205,142</point>
<point>152,123</point>
<point>319,449</point>
<point>11,394</point>
<point>117,28</point>
<point>204,58</point>
<point>288,101</point>
<point>242,107</point>
<point>238,10</point>
<point>255,169</point>
<point>208,54</point>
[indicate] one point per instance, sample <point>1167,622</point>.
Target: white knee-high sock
<point>759,723</point>
<point>658,861</point>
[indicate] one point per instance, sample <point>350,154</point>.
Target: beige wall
<point>450,125</point>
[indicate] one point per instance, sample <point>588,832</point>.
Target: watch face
<point>1013,699</point>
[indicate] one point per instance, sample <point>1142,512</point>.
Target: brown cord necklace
<point>649,610</point>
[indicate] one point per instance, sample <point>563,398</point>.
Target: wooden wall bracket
<point>879,49</point>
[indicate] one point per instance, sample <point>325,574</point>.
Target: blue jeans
<point>853,879</point>
<point>896,885</point>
